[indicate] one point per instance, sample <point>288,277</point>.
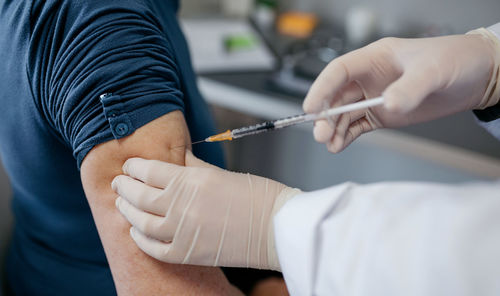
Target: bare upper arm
<point>134,272</point>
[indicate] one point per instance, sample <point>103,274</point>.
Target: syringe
<point>290,121</point>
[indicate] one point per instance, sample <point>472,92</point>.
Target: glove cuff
<point>492,94</point>
<point>285,195</point>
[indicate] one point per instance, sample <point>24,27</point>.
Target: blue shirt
<point>56,58</point>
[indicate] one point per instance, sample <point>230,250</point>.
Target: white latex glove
<point>420,79</point>
<point>200,214</point>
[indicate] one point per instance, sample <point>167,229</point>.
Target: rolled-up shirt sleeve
<point>489,118</point>
<point>89,48</point>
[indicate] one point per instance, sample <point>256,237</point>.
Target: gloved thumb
<point>409,91</point>
<point>193,161</point>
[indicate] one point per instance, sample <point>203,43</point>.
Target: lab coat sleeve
<point>489,118</point>
<point>392,239</point>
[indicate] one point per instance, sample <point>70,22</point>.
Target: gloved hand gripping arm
<point>171,209</point>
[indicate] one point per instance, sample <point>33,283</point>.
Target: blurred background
<point>257,59</point>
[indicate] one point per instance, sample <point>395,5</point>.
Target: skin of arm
<point>134,272</point>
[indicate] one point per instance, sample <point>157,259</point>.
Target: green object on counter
<point>268,3</point>
<point>240,42</point>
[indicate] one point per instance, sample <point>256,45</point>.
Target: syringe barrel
<point>292,120</point>
<point>269,126</point>
<point>253,129</point>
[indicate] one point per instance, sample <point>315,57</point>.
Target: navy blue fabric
<point>56,58</point>
<point>489,114</point>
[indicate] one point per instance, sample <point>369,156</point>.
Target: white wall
<point>458,15</point>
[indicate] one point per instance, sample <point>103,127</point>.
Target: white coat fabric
<point>392,239</point>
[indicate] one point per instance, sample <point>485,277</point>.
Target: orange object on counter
<point>297,24</point>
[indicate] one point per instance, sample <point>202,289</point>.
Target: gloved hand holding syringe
<point>291,121</point>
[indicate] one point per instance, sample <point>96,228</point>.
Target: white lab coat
<point>392,239</point>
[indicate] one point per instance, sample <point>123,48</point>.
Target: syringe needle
<point>185,145</point>
<point>197,142</point>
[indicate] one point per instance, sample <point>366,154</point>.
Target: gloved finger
<point>154,248</point>
<point>140,195</point>
<point>407,92</point>
<point>147,223</point>
<point>193,161</point>
<point>346,120</point>
<point>323,131</point>
<point>356,129</point>
<point>349,94</point>
<point>152,172</point>
<point>335,76</point>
